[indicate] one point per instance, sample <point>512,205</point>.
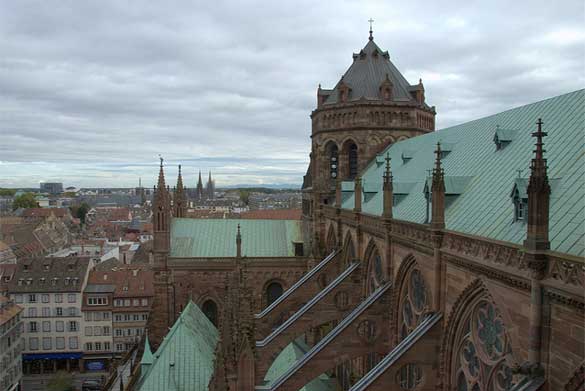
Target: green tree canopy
<point>26,200</point>
<point>7,192</point>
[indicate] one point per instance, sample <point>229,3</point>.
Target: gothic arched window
<point>209,308</point>
<point>273,291</point>
<point>353,160</point>
<point>375,272</point>
<point>349,255</point>
<point>414,303</point>
<point>480,353</point>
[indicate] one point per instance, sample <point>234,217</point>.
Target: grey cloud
<point>91,92</point>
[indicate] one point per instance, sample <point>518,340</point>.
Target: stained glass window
<point>480,358</point>
<point>376,272</point>
<point>413,304</point>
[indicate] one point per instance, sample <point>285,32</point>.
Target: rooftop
<point>49,275</point>
<point>484,176</point>
<point>209,238</point>
<point>184,360</point>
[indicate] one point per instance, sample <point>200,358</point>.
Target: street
<point>39,382</point>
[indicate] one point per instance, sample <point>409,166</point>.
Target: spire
<point>238,243</point>
<point>371,38</point>
<point>180,201</point>
<point>438,192</point>
<point>538,196</point>
<point>199,190</point>
<point>161,175</point>
<point>161,217</point>
<point>388,189</point>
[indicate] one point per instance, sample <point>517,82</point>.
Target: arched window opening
<point>480,353</point>
<point>273,291</point>
<point>333,156</point>
<point>414,302</point>
<point>353,161</point>
<point>209,308</point>
<point>375,272</point>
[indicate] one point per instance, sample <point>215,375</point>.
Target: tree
<point>61,381</point>
<point>80,211</point>
<point>26,200</point>
<point>7,192</point>
<point>245,196</point>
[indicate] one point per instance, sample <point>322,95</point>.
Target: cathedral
<point>424,260</point>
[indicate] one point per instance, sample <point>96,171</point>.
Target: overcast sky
<point>92,91</point>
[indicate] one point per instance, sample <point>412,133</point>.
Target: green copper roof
<point>206,238</point>
<point>484,177</point>
<point>147,357</point>
<point>184,360</point>
<point>289,355</point>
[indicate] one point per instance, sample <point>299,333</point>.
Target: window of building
<point>136,317</point>
<point>18,299</point>
<point>144,316</point>
<point>136,302</point>
<point>33,343</point>
<point>32,327</point>
<point>520,207</point>
<point>58,298</point>
<point>128,332</point>
<point>144,302</point>
<point>32,312</point>
<point>46,326</point>
<point>126,302</point>
<point>72,311</point>
<point>88,331</point>
<point>71,297</point>
<point>107,330</point>
<point>106,346</point>
<point>97,300</point>
<point>98,346</point>
<point>45,298</point>
<point>88,346</point>
<point>32,298</point>
<point>47,343</point>
<point>46,311</point>
<point>118,332</point>
<point>87,315</point>
<point>60,343</point>
<point>73,343</point>
<point>273,291</point>
<point>126,317</point>
<point>59,311</point>
<point>119,347</point>
<point>209,308</point>
<point>72,325</point>
<point>118,318</point>
<point>59,326</point>
<point>353,160</point>
<point>97,330</point>
<point>97,316</point>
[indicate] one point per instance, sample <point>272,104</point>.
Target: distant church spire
<point>199,190</point>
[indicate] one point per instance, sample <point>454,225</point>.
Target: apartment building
<point>97,323</point>
<point>11,344</point>
<point>132,295</point>
<point>50,292</point>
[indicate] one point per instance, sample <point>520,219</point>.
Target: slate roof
<point>291,354</point>
<point>50,275</point>
<point>208,238</point>
<point>484,206</point>
<point>184,360</point>
<point>366,74</point>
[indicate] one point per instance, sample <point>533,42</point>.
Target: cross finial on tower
<point>371,31</point>
<point>161,160</point>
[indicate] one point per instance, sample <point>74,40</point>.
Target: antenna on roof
<point>371,31</point>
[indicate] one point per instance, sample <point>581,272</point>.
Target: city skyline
<point>232,91</point>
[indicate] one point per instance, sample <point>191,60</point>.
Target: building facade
<point>11,344</point>
<point>50,292</point>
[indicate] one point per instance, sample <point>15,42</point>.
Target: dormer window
<point>343,91</point>
<point>519,197</point>
<point>386,89</point>
<point>407,156</point>
<point>503,137</point>
<point>20,281</point>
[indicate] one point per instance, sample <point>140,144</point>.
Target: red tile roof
<point>44,212</point>
<point>139,282</point>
